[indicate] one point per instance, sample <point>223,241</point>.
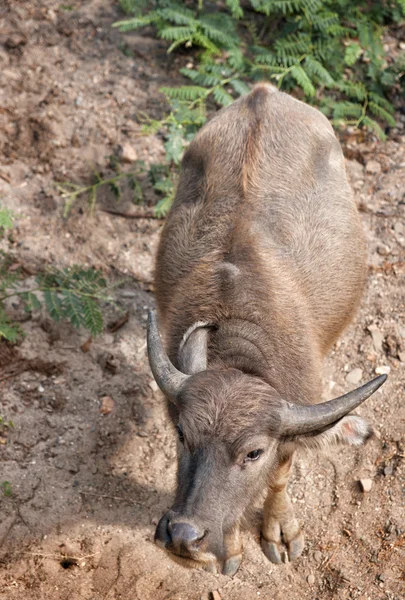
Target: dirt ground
<point>87,488</point>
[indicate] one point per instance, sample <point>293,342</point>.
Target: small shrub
<point>330,52</point>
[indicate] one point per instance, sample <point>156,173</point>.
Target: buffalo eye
<point>180,434</point>
<point>254,455</point>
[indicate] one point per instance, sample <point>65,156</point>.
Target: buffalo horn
<point>298,419</point>
<point>168,378</point>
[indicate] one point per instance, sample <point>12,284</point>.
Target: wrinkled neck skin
<point>262,329</point>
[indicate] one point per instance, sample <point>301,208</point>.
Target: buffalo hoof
<point>231,565</point>
<point>277,554</point>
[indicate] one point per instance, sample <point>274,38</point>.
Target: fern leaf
<point>31,301</point>
<point>381,113</point>
<point>53,304</point>
<point>202,40</point>
<point>299,75</point>
<point>174,145</point>
<point>374,126</point>
<point>177,34</point>
<point>135,23</point>
<point>73,309</point>
<point>8,330</point>
<point>353,89</point>
<point>236,58</point>
<point>352,53</point>
<point>179,16</point>
<point>382,101</point>
<point>235,8</point>
<point>343,110</point>
<point>185,92</point>
<point>240,87</point>
<point>222,97</point>
<point>202,79</point>
<point>315,69</point>
<point>6,218</point>
<point>93,318</point>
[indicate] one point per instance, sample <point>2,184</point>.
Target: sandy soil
<point>88,488</point>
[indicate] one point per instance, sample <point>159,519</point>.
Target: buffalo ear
<point>351,430</point>
<point>193,349</point>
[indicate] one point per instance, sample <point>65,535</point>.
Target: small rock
<point>107,405</point>
<point>401,356</point>
<point>87,345</point>
<point>79,100</point>
<point>354,376</point>
<point>127,153</point>
<point>41,389</point>
<point>318,556</point>
<point>15,40</point>
<point>215,595</point>
<point>399,228</point>
<point>311,579</point>
<point>377,337</point>
<point>142,434</point>
<point>366,485</point>
<point>383,370</point>
<point>383,250</point>
<point>388,470</point>
<point>373,167</point>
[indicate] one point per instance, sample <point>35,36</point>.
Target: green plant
<point>70,192</point>
<point>329,51</point>
<point>74,293</point>
<point>6,219</point>
<point>4,423</point>
<point>6,486</point>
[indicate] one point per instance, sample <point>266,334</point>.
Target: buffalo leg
<point>233,548</point>
<point>280,523</point>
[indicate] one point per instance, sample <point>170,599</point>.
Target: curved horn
<point>168,378</point>
<point>297,419</point>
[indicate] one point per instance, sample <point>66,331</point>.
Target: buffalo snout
<point>180,537</point>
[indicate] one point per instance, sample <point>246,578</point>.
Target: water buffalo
<point>261,265</point>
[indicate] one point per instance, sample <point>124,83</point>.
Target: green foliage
<point>75,294</point>
<point>70,192</point>
<point>6,219</point>
<point>6,487</point>
<point>329,51</point>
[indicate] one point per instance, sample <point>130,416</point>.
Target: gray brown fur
<point>263,244</point>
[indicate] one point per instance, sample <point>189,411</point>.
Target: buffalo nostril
<point>185,536</point>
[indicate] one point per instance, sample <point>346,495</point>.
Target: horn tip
<point>381,379</point>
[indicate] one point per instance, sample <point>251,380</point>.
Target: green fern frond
<point>177,34</point>
<point>8,330</point>
<point>317,71</point>
<point>178,15</point>
<point>185,92</point>
<point>235,8</point>
<point>222,97</point>
<point>239,86</point>
<point>136,22</point>
<point>293,45</point>
<point>343,110</point>
<point>381,113</point>
<point>325,22</point>
<point>353,89</point>
<point>6,218</point>
<point>53,304</point>
<point>93,319</point>
<point>298,73</point>
<point>374,126</point>
<point>382,101</point>
<point>201,79</point>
